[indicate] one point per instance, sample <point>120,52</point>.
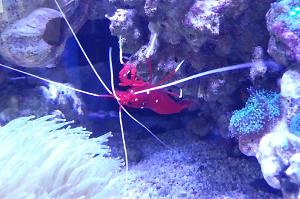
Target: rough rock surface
<point>194,30</point>
<point>277,148</point>
<point>23,99</point>
<point>15,10</point>
<point>34,34</point>
<point>206,34</point>
<point>284,27</point>
<point>290,87</point>
<point>278,155</point>
<point>22,42</point>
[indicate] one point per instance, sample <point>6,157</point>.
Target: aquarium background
<point>232,134</point>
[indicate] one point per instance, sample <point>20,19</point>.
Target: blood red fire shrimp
<point>159,101</point>
<point>140,94</point>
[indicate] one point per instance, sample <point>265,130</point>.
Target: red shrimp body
<point>158,101</point>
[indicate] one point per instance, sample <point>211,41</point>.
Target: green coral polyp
<point>261,109</point>
<point>295,11</point>
<point>295,124</point>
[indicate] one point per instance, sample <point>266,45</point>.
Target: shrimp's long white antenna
<point>124,145</point>
<point>142,125</point>
<point>50,81</point>
<point>81,48</point>
<point>123,108</point>
<point>112,75</point>
<point>120,111</point>
<point>218,70</point>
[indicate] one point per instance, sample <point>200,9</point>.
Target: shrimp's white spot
<point>131,91</point>
<point>148,92</point>
<point>143,103</point>
<point>136,99</point>
<point>125,75</point>
<point>156,101</point>
<point>142,107</point>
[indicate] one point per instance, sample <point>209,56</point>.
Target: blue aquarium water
<point>141,99</point>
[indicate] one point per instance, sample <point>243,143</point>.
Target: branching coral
<point>262,109</point>
<point>42,158</point>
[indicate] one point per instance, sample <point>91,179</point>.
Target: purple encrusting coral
<point>284,27</point>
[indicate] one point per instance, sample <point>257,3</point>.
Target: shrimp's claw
<point>128,76</point>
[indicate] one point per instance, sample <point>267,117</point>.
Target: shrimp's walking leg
<point>169,75</point>
<point>142,125</point>
<point>121,50</point>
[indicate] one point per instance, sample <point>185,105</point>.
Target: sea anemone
<point>46,158</point>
